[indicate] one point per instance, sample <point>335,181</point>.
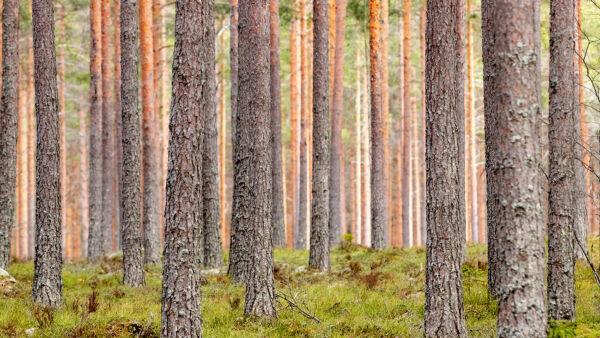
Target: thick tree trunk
<point>213,252</point>
<point>406,229</point>
<point>444,311</point>
<point>8,125</point>
<point>252,184</point>
<point>133,267</point>
<point>277,198</point>
<point>181,292</point>
<point>561,278</point>
<point>47,277</point>
<point>379,202</point>
<point>319,225</point>
<point>335,177</point>
<point>108,133</point>
<point>149,139</point>
<point>95,175</point>
<point>512,114</point>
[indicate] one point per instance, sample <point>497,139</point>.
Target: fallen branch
<point>292,303</point>
<point>587,258</point>
<point>146,326</point>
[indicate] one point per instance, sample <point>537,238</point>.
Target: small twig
<point>146,326</point>
<point>587,258</point>
<point>293,304</point>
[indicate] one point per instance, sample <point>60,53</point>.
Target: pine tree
<point>47,277</point>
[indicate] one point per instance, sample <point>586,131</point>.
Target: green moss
<point>366,294</point>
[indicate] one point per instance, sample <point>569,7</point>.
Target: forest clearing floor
<point>366,294</point>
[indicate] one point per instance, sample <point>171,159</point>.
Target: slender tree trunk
<point>444,311</point>
<point>31,141</point>
<point>8,125</point>
<point>335,177</point>
<point>580,131</point>
<point>358,152</point>
<point>516,232</point>
<point>379,202</point>
<point>252,182</point>
<point>22,177</point>
<point>63,131</point>
<point>133,265</point>
<point>164,116</point>
<point>108,137</point>
<point>47,277</point>
<point>84,193</point>
<point>366,160</point>
<point>471,145</point>
<point>406,230</point>
<point>300,238</point>
<point>181,297</point>
<point>294,121</point>
<point>277,199</point>
<point>561,278</point>
<point>222,142</point>
<point>118,180</point>
<point>585,134</point>
<point>95,174</point>
<point>213,252</point>
<point>149,138</point>
<point>319,230</point>
<point>460,110</point>
<point>422,166</point>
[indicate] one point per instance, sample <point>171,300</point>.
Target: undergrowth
<point>366,294</point>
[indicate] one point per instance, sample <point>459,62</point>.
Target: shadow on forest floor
<point>366,294</point>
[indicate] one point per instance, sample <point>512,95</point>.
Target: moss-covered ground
<point>366,294</point>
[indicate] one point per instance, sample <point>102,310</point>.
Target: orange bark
<point>358,206</point>
<point>421,131</point>
<point>406,128</point>
<point>295,121</point>
<point>31,147</point>
<point>366,228</point>
<point>471,144</point>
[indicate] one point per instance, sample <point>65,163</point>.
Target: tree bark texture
<point>95,233</point>
<point>252,183</point>
<point>561,278</point>
<point>379,202</point>
<point>131,218</point>
<point>406,111</point>
<point>319,225</point>
<point>47,277</point>
<point>108,132</point>
<point>150,139</point>
<point>118,180</point>
<point>444,311</point>
<point>511,57</point>
<point>181,292</point>
<point>277,199</point>
<point>335,179</point>
<point>213,252</point>
<point>459,78</point>
<point>8,125</point>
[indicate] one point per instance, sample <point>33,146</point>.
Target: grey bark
<point>561,278</point>
<point>8,125</point>
<point>335,181</point>
<point>580,189</point>
<point>379,202</point>
<point>319,226</point>
<point>444,311</point>
<point>95,234</point>
<point>181,292</point>
<point>47,277</point>
<point>277,197</point>
<point>459,77</point>
<point>252,184</point>
<point>213,253</point>
<point>133,265</point>
<point>511,57</point>
<point>150,201</point>
<point>233,64</point>
<point>302,219</point>
<point>108,135</point>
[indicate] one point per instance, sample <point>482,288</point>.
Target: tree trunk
<point>421,133</point>
<point>379,202</point>
<point>213,252</point>
<point>133,265</point>
<point>118,180</point>
<point>300,236</point>
<point>471,131</point>
<point>84,197</point>
<point>561,278</point>
<point>67,234</point>
<point>108,135</point>
<point>294,125</point>
<point>31,141</point>
<point>223,200</point>
<point>252,183</point>
<point>319,225</point>
<point>460,110</point>
<point>95,175</point>
<point>358,152</point>
<point>406,229</point>
<point>276,157</point>
<point>47,277</point>
<point>444,312</point>
<point>149,139</point>
<point>8,125</point>
<point>512,113</point>
<point>181,292</point>
<point>335,179</point>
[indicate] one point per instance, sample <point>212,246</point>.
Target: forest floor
<point>366,294</point>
